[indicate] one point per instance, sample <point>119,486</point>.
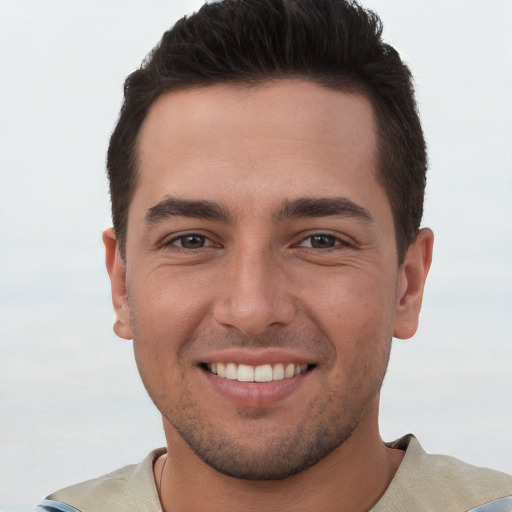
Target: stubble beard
<point>275,455</point>
<point>279,456</point>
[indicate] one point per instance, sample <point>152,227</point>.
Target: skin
<point>263,278</point>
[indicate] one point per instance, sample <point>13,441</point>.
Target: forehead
<point>284,138</point>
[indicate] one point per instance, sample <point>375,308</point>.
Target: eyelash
<point>337,242</point>
<point>172,242</point>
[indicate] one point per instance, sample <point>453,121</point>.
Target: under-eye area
<point>261,373</point>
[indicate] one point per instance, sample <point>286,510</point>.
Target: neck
<point>350,479</point>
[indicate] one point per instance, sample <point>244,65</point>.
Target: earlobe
<point>411,283</point>
<point>117,273</point>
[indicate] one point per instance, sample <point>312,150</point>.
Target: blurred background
<point>71,403</point>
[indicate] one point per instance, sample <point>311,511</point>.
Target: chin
<point>266,455</point>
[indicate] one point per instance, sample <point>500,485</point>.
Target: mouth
<point>261,373</point>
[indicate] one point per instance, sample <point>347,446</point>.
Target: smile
<point>262,373</point>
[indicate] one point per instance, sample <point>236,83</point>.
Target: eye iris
<point>322,241</point>
<point>192,241</point>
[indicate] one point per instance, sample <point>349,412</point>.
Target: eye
<point>321,241</point>
<point>191,241</point>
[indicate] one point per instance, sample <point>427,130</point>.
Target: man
<point>267,175</point>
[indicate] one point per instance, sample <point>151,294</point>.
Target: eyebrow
<point>322,207</point>
<point>174,207</point>
<point>300,207</point>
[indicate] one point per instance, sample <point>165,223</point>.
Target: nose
<point>255,294</point>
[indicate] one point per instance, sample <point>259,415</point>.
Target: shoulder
<point>127,489</point>
<point>438,482</point>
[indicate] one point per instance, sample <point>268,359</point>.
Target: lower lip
<point>255,394</point>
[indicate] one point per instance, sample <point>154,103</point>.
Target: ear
<point>117,272</point>
<point>411,282</point>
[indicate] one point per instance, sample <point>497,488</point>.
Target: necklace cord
<point>159,483</point>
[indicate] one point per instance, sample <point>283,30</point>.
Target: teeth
<point>221,370</point>
<point>231,371</point>
<point>245,373</point>
<point>289,371</point>
<point>278,372</point>
<point>263,373</point>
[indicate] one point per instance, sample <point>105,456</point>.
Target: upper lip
<point>256,357</point>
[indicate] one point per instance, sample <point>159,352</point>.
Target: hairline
<point>351,86</point>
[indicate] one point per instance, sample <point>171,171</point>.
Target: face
<point>261,284</point>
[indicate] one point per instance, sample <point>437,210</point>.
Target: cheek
<point>167,307</point>
<point>160,327</point>
<point>156,343</point>
<point>357,316</point>
<point>360,302</point>
<point>167,311</point>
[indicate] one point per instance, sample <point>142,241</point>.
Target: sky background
<point>71,404</point>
